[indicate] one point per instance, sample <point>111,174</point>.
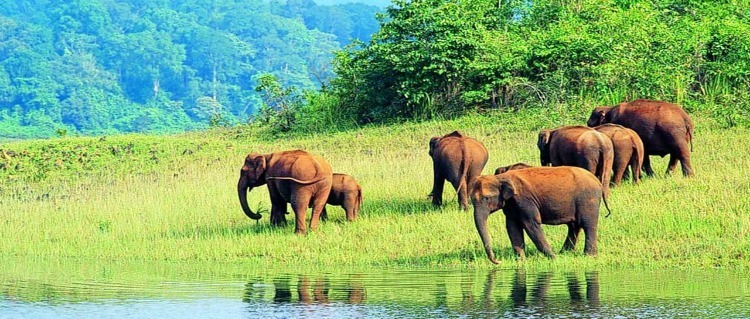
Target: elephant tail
<point>609,212</point>
<point>464,169</point>
<point>359,198</point>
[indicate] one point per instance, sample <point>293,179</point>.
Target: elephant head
<point>490,194</point>
<point>252,174</point>
<point>543,145</point>
<point>433,143</point>
<point>598,116</point>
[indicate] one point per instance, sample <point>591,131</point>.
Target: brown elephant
<point>296,177</point>
<point>539,195</point>
<point>345,192</point>
<point>628,150</point>
<point>578,146</point>
<point>458,159</point>
<point>504,169</point>
<point>663,127</point>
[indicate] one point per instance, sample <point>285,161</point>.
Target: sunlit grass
<point>184,207</point>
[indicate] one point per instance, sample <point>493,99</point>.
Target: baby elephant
<point>539,195</point>
<point>345,192</point>
<point>504,169</point>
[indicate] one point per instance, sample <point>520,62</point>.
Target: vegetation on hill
<point>438,58</point>
<point>103,67</point>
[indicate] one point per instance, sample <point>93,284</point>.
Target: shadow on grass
<point>464,256</point>
<point>243,228</point>
<point>400,206</point>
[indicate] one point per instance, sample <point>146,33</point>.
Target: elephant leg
<point>463,197</point>
<point>318,204</point>
<point>324,214</point>
<point>349,206</point>
<point>647,166</point>
<point>619,165</point>
<point>672,163</point>
<point>278,207</point>
<point>535,232</point>
<point>570,241</point>
<point>687,167</point>
<point>515,234</point>
<point>636,168</point>
<point>589,230</point>
<point>437,188</point>
<point>300,203</point>
<point>278,212</point>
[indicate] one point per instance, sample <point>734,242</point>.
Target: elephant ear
<point>543,142</point>
<point>507,189</point>
<point>259,166</point>
<point>602,117</point>
<point>433,144</point>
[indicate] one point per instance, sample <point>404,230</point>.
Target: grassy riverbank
<point>173,198</point>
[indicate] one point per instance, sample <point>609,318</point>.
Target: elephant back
<point>298,164</point>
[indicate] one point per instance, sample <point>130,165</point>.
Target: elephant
<point>296,177</point>
<point>458,159</point>
<point>539,195</point>
<point>628,150</point>
<point>578,146</point>
<point>345,192</point>
<point>665,128</point>
<point>504,169</point>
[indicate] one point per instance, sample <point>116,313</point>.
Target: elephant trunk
<point>480,221</point>
<point>242,189</point>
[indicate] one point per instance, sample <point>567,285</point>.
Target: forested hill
<point>108,66</point>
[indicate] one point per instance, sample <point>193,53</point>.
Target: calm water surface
<point>376,293</point>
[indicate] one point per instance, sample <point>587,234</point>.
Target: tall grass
<point>185,208</point>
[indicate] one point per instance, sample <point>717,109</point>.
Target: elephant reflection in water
<point>532,295</point>
<point>317,291</point>
<point>539,292</point>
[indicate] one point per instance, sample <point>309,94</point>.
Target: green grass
<point>173,198</point>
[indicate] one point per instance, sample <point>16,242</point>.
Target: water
<point>163,292</point>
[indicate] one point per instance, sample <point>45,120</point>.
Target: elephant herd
<point>583,159</point>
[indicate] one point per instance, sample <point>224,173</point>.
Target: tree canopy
<point>446,57</point>
<point>107,66</point>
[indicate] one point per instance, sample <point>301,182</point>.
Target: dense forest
<point>442,58</point>
<point>97,67</point>
<point>108,66</point>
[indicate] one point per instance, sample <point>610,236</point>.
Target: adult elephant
<point>534,196</point>
<point>296,177</point>
<point>578,146</point>
<point>628,150</point>
<point>663,127</point>
<point>458,159</point>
